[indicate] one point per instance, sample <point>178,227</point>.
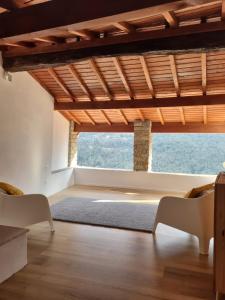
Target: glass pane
<point>105,150</point>
<point>188,153</point>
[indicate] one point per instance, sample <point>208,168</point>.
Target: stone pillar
<point>72,151</point>
<point>142,145</point>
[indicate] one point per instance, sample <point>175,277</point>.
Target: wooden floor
<point>92,263</point>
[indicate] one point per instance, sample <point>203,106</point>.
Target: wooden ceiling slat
<point>147,75</point>
<point>52,72</point>
<point>122,76</point>
<point>100,77</point>
<point>78,78</point>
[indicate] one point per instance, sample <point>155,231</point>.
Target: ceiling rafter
<point>125,27</point>
<point>204,83</point>
<point>74,118</point>
<point>59,81</point>
<point>176,84</point>
<point>122,75</point>
<point>41,82</point>
<point>147,75</point>
<point>100,78</point>
<point>205,115</point>
<point>159,112</point>
<point>87,115</point>
<point>105,117</point>
<point>196,37</point>
<point>123,116</point>
<point>143,103</point>
<point>223,10</point>
<point>80,81</point>
<point>171,19</point>
<point>83,33</point>
<point>140,113</point>
<point>204,72</point>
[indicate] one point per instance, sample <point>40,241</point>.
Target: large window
<point>105,150</point>
<point>188,153</point>
<point>173,153</point>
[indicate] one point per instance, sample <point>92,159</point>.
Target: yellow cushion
<point>198,191</point>
<point>10,189</point>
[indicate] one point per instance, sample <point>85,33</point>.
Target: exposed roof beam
<point>173,127</point>
<point>100,77</point>
<point>174,74</point>
<point>204,72</point>
<point>199,38</point>
<point>87,34</point>
<point>147,75</point>
<point>140,114</point>
<point>171,19</point>
<point>176,84</point>
<point>205,115</point>
<point>74,14</point>
<point>11,4</point>
<point>122,75</point>
<point>123,116</point>
<point>80,81</point>
<point>105,117</point>
<point>125,26</point>
<point>59,81</point>
<point>159,112</point>
<point>137,104</point>
<point>223,10</point>
<point>116,127</point>
<point>87,115</point>
<point>73,118</point>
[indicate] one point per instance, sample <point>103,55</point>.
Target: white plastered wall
<point>27,123</point>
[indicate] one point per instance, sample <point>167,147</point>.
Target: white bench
<point>13,250</point>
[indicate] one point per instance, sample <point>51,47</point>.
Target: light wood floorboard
<point>81,262</point>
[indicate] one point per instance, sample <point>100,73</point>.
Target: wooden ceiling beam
<point>174,74</point>
<point>105,117</point>
<point>176,84</point>
<point>159,112</point>
<point>86,34</point>
<point>80,81</point>
<point>116,127</point>
<point>138,104</point>
<point>171,19</point>
<point>73,118</point>
<point>87,115</point>
<point>123,116</point>
<point>199,38</point>
<point>205,115</point>
<point>170,127</point>
<point>147,75</point>
<point>12,4</point>
<point>125,27</point>
<point>59,81</point>
<point>122,75</point>
<point>140,114</point>
<point>76,16</point>
<point>223,10</point>
<point>204,72</point>
<point>99,77</point>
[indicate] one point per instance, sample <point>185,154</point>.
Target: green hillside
<point>176,153</point>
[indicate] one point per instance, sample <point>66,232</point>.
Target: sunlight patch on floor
<point>139,201</point>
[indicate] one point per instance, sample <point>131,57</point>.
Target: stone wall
<point>142,145</point>
<point>72,153</point>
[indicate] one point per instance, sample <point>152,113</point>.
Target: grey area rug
<point>109,213</point>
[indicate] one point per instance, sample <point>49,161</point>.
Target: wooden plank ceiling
<point>143,77</point>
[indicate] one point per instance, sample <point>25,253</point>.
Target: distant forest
<point>175,153</point>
